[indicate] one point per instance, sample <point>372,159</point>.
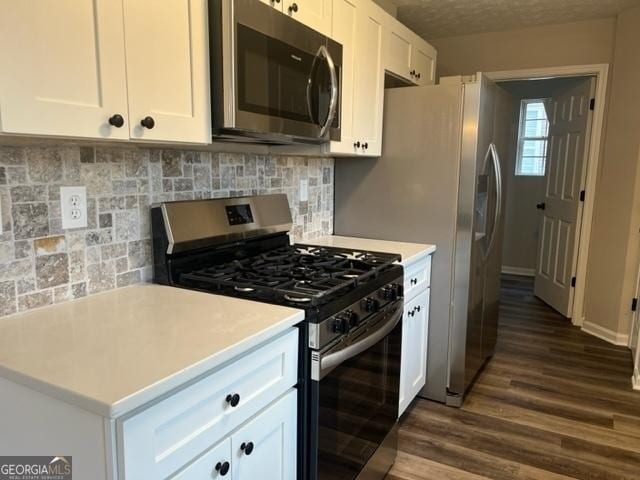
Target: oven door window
<point>279,80</point>
<point>358,406</point>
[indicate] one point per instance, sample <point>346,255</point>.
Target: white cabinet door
<point>266,446</point>
<point>344,32</point>
<point>423,63</point>
<point>398,49</point>
<point>369,91</point>
<point>277,4</point>
<point>415,328</point>
<point>315,14</point>
<point>63,68</point>
<point>215,464</point>
<point>167,70</point>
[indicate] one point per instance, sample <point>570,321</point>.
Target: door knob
<point>222,468</point>
<point>293,8</point>
<point>148,122</point>
<point>116,120</point>
<point>541,206</point>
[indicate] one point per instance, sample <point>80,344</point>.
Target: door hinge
<point>634,304</point>
<point>592,104</point>
<point>582,195</point>
<point>573,281</point>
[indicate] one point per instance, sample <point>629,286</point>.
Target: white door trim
<point>601,72</point>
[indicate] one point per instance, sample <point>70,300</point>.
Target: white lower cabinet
<point>249,401</point>
<point>266,446</point>
<point>415,330</point>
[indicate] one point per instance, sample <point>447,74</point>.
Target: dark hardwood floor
<point>553,403</point>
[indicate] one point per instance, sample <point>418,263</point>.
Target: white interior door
<point>569,130</point>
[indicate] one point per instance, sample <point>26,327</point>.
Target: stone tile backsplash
<point>42,264</point>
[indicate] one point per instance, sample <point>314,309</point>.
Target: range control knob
<point>350,317</point>
<point>389,293</point>
<point>370,305</point>
<point>340,325</point>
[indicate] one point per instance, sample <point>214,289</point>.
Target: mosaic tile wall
<point>41,264</point>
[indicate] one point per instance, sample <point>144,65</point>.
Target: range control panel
<point>239,214</point>
<point>352,317</point>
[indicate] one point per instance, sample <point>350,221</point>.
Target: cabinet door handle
<point>293,8</point>
<point>414,281</point>
<point>116,120</point>
<point>418,75</point>
<point>247,448</point>
<point>365,145</point>
<point>357,144</point>
<point>412,73</point>
<point>222,468</point>
<point>148,122</point>
<point>233,400</point>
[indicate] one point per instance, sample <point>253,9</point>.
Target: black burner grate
<point>298,274</point>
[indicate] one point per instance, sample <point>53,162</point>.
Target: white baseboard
<point>635,379</point>
<point>605,334</point>
<point>524,272</point>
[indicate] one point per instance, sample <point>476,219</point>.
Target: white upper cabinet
<point>167,70</point>
<point>368,95</point>
<point>344,32</point>
<point>97,69</point>
<point>423,62</point>
<point>398,47</point>
<point>313,13</point>
<point>63,70</point>
<point>407,55</point>
<point>357,25</point>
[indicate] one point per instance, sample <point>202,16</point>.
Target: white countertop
<point>113,352</point>
<point>408,251</point>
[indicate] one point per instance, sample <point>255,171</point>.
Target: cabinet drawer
<point>165,437</point>
<point>417,277</point>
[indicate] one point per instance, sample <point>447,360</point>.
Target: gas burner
<point>298,274</point>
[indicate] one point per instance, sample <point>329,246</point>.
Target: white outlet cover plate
<point>73,217</point>
<point>304,190</point>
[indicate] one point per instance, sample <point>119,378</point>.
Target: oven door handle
<point>332,360</point>
<point>333,103</point>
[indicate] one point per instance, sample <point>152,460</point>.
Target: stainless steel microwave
<point>273,79</point>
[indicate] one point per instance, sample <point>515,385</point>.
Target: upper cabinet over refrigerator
<point>105,69</point>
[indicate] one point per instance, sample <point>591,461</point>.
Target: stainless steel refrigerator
<point>439,181</point>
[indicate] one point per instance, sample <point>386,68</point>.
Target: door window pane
<point>533,137</point>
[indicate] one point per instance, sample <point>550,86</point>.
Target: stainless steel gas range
<point>351,337</point>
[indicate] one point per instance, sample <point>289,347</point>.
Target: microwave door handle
<point>493,152</point>
<point>332,360</point>
<point>333,103</point>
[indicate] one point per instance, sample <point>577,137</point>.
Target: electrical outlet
<point>304,190</point>
<point>74,207</point>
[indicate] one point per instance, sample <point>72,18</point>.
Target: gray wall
<point>41,264</point>
<point>522,219</point>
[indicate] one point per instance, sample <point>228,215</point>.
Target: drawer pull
<point>418,308</point>
<point>233,400</point>
<point>414,281</point>
<point>247,448</point>
<point>223,468</point>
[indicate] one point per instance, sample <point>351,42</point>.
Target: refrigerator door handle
<point>493,152</point>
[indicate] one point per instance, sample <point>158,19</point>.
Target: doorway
<point>551,178</point>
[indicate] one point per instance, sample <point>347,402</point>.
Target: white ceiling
<point>445,18</point>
